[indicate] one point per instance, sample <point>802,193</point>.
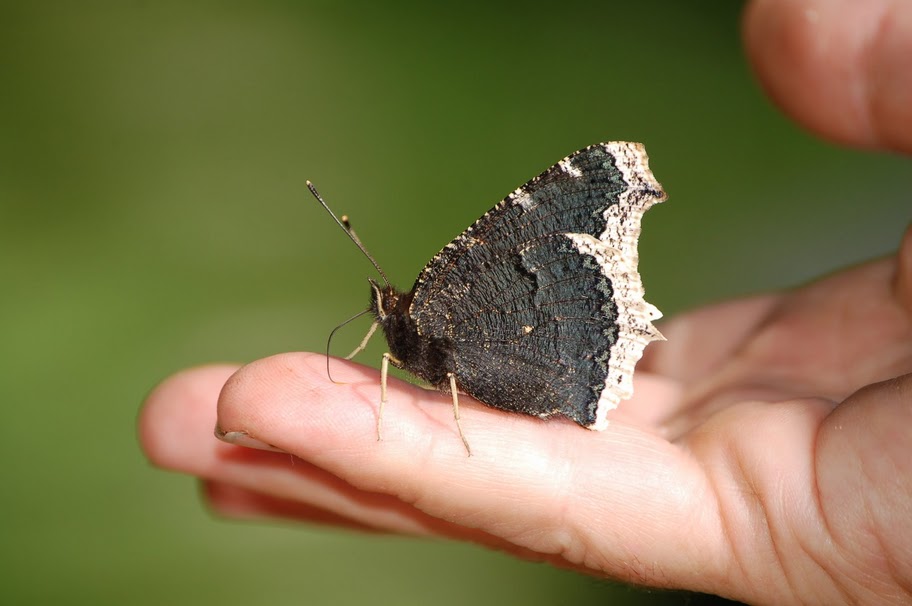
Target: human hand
<point>764,456</point>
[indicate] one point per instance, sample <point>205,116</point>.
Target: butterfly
<point>536,308</point>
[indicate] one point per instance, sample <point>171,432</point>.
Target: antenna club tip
<point>309,184</point>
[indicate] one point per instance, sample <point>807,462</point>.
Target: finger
<point>865,488</point>
<point>829,337</point>
<point>235,502</point>
<point>176,432</point>
<point>902,281</point>
<point>840,67</point>
<point>622,502</point>
<point>232,501</point>
<point>176,412</point>
<point>698,342</point>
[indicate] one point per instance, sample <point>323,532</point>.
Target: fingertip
<point>278,400</point>
<point>177,410</point>
<point>805,61</point>
<point>837,66</point>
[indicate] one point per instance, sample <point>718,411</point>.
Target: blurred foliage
<point>153,216</point>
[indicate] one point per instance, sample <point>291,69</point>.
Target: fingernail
<point>242,438</point>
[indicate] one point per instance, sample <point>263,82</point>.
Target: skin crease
<point>764,456</point>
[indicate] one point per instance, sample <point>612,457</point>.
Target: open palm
<point>764,455</point>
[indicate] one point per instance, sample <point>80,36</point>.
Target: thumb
<point>839,67</point>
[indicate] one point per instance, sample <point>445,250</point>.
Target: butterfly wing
<point>540,298</point>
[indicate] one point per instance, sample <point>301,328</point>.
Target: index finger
<point>550,487</point>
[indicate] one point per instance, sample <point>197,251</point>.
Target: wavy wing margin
<point>614,250</point>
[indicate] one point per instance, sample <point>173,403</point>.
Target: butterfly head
<point>384,300</point>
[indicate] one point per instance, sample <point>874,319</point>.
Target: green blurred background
<point>153,216</point>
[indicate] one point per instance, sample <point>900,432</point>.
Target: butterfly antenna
<point>329,341</point>
<point>346,227</point>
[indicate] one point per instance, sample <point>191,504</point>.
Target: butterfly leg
<point>384,371</point>
<point>360,348</point>
<point>452,378</point>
